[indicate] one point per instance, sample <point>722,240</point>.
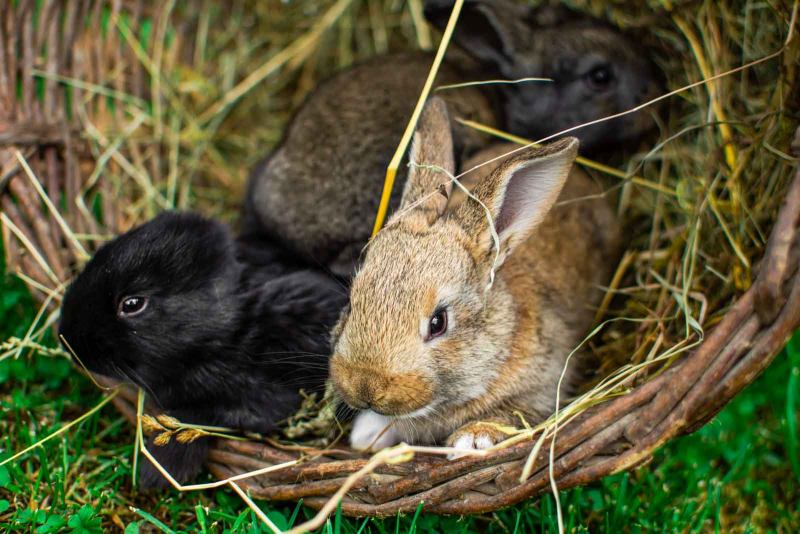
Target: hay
<point>694,253</point>
<point>189,105</point>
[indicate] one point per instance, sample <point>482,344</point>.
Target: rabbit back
<point>319,190</point>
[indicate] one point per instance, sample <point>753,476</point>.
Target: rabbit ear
<point>518,196</point>
<point>485,29</point>
<point>432,163</point>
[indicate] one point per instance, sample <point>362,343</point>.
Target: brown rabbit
<point>451,324</point>
<point>319,191</point>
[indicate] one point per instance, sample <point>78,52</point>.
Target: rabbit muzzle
<point>384,393</point>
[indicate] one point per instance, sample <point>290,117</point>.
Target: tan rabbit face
<point>406,350</point>
<point>425,328</point>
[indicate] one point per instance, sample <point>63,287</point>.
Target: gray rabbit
<point>596,70</point>
<point>319,190</point>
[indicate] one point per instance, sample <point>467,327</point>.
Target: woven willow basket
<point>43,124</point>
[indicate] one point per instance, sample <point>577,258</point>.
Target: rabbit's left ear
<point>432,164</point>
<point>486,29</point>
<point>518,195</point>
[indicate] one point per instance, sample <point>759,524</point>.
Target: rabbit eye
<point>131,306</point>
<point>600,78</point>
<point>437,325</point>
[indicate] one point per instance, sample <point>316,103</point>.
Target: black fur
<point>232,329</point>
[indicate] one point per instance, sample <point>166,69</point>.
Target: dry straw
<point>162,126</point>
<point>394,164</point>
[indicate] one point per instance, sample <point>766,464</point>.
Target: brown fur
<point>387,392</point>
<point>320,189</point>
<point>506,347</point>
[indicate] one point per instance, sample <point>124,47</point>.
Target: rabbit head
<point>217,330</point>
<point>596,70</point>
<point>425,329</point>
<point>153,300</point>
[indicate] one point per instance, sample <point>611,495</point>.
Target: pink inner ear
<point>513,202</point>
<point>531,191</point>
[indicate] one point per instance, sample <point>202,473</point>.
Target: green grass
<point>741,472</point>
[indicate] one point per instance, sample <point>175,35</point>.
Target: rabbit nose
<point>384,393</point>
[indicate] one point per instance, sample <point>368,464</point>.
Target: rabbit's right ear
<point>486,29</point>
<point>432,164</point>
<point>518,195</point>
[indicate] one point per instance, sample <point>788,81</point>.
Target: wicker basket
<point>612,437</point>
<point>43,124</point>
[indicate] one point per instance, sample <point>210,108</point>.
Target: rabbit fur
<point>230,329</point>
<point>513,313</point>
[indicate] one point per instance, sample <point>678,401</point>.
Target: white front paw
<point>474,437</point>
<point>470,442</point>
<point>371,432</point>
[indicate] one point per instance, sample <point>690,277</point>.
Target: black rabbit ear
<point>485,29</point>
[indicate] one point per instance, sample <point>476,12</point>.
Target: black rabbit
<point>217,330</point>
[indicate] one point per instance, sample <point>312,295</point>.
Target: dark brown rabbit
<point>319,190</point>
